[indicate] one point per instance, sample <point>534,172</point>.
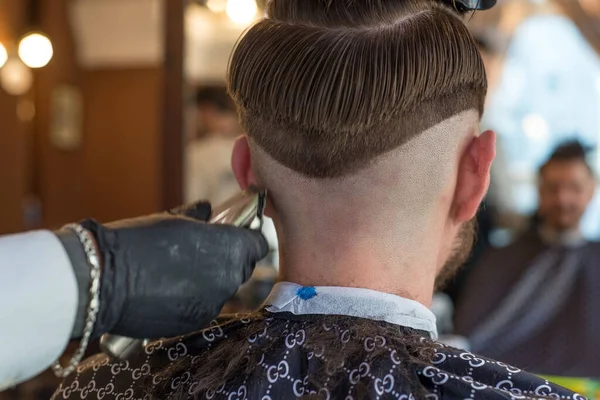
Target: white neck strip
<point>353,302</point>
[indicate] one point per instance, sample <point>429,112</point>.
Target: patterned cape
<point>564,343</point>
<point>288,363</point>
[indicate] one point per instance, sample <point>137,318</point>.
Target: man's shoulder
<point>593,246</point>
<point>382,366</point>
<point>450,375</point>
<point>504,265</point>
<point>487,378</point>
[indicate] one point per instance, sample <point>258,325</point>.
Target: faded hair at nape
<point>324,87</point>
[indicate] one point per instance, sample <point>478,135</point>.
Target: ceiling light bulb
<point>3,55</point>
<point>35,50</point>
<point>242,11</point>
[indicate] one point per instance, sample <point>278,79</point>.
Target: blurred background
<point>116,108</point>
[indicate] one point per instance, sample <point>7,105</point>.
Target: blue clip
<point>307,292</point>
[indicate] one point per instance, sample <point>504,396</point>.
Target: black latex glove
<point>170,274</point>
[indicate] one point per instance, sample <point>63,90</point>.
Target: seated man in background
<point>535,303</point>
<point>362,121</point>
<point>208,158</point>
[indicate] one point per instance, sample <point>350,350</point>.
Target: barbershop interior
<point>113,109</point>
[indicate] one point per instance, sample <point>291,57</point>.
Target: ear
<point>473,176</point>
<point>241,163</point>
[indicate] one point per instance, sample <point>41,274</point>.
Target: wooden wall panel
<point>173,126</point>
<point>59,174</point>
<point>123,156</point>
<point>117,171</point>
<point>12,167</point>
<point>12,139</point>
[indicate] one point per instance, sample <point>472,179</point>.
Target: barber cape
<point>535,304</point>
<point>306,342</point>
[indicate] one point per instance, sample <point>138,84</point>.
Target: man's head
<point>216,112</point>
<point>362,122</point>
<point>566,187</point>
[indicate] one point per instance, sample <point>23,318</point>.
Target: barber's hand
<point>170,274</point>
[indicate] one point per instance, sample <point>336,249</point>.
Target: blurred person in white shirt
<point>208,172</point>
<point>208,156</point>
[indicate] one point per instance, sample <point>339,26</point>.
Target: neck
<point>324,258</point>
<point>565,237</point>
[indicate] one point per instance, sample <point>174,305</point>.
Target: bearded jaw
<point>461,251</point>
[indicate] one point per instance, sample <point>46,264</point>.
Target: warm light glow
<point>35,49</point>
<point>216,6</point>
<point>536,127</point>
<point>591,6</point>
<point>15,77</point>
<point>26,110</point>
<point>3,55</point>
<point>242,11</point>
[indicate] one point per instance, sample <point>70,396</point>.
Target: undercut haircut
<point>326,86</point>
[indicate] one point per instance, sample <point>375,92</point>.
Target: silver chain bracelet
<point>87,240</point>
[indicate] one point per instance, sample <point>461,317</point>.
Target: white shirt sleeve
<point>38,302</point>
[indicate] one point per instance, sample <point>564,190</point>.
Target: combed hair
<point>325,86</point>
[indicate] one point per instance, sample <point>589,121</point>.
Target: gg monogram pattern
<point>292,363</point>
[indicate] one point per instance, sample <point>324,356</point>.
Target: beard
<point>461,251</point>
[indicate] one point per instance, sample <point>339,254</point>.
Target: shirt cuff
<point>38,293</point>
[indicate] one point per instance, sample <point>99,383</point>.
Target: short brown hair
<point>570,151</point>
<point>326,86</point>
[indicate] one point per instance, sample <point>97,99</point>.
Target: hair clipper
<point>245,210</point>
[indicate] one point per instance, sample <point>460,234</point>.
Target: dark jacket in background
<point>566,344</point>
